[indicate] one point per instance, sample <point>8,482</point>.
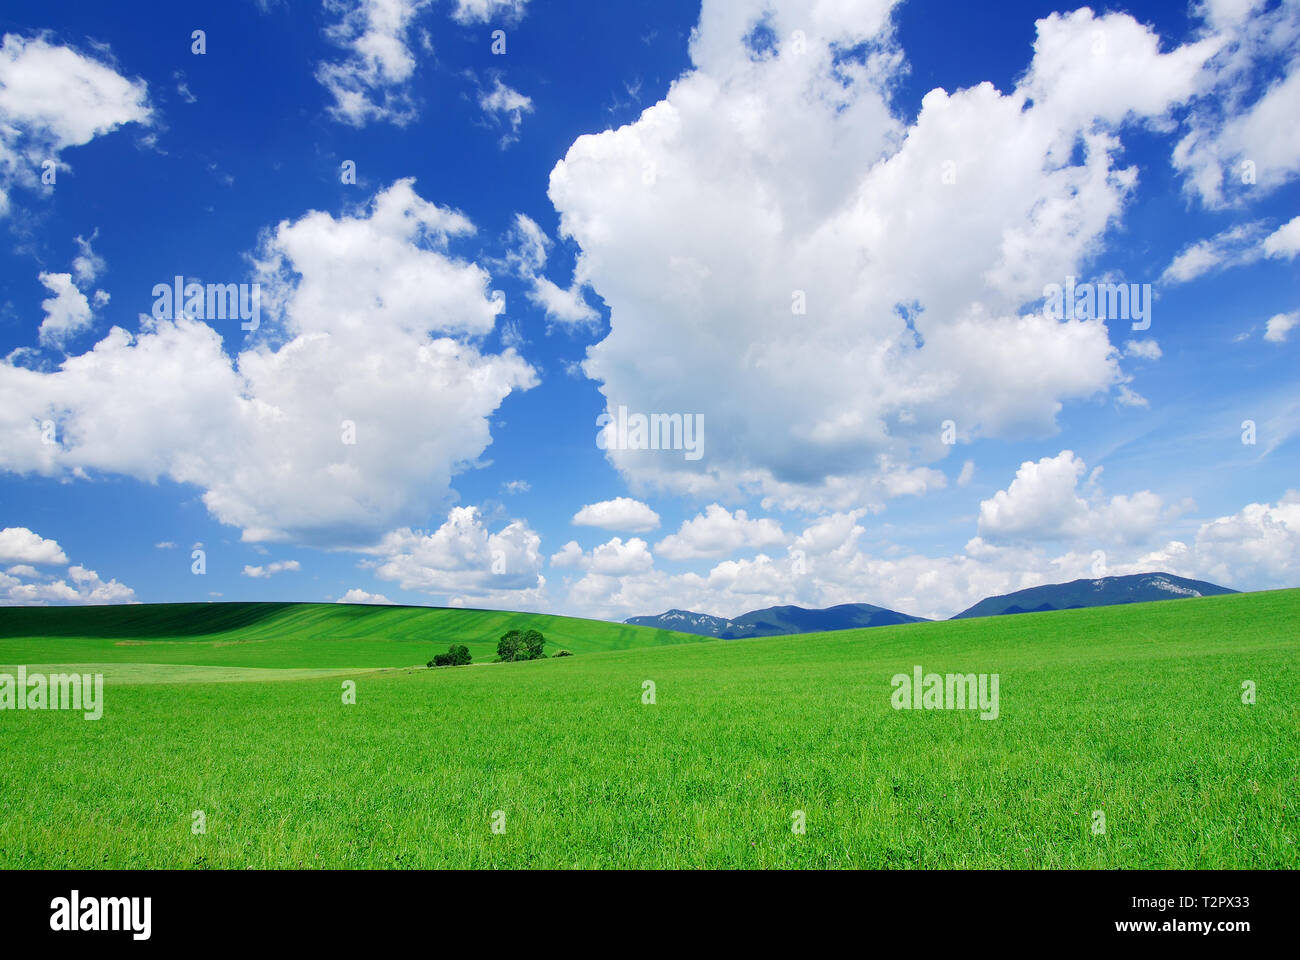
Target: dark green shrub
<point>457,655</point>
<point>521,645</point>
<point>561,653</point>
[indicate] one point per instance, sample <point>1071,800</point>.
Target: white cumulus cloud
<point>363,392</point>
<point>1045,502</point>
<point>621,513</point>
<point>823,350</point>
<point>20,545</point>
<point>53,98</point>
<point>23,585</point>
<point>718,531</point>
<point>465,562</point>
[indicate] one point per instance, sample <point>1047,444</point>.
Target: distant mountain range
<point>1104,592</point>
<point>777,621</point>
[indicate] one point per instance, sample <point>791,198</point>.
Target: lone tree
<point>520,645</point>
<point>457,655</point>
<point>508,646</point>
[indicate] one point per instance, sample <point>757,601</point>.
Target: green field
<point>1134,711</point>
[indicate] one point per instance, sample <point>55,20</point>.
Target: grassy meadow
<point>1135,711</point>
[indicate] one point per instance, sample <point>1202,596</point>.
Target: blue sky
<point>650,190</point>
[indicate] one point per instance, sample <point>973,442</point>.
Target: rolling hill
<point>319,635</point>
<point>1102,592</point>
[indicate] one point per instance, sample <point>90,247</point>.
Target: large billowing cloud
<point>364,393</point>
<point>827,284</point>
<point>1045,502</point>
<point>52,98</point>
<point>1259,545</point>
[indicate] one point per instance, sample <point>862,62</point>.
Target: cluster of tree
<point>513,645</point>
<point>520,645</point>
<point>457,655</point>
